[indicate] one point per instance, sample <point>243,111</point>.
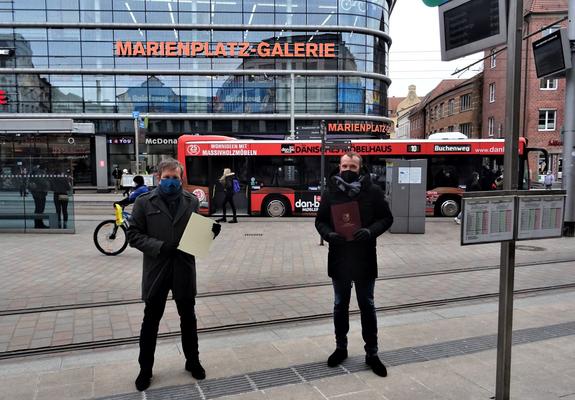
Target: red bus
<point>282,177</point>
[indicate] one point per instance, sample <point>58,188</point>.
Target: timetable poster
<point>487,219</point>
<point>540,217</point>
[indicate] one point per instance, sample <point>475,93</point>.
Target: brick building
<point>542,100</point>
<point>453,106</point>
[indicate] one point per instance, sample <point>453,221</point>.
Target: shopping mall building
<point>190,66</point>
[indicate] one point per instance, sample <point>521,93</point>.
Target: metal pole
<point>510,182</point>
<point>322,132</point>
<point>292,106</point>
<point>568,176</point>
<point>137,145</point>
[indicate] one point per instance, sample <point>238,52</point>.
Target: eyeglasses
<point>171,177</point>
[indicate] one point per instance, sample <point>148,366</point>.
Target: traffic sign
<point>135,114</point>
<point>307,133</point>
<point>335,144</point>
<point>6,52</point>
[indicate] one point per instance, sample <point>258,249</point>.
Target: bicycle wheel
<point>109,238</point>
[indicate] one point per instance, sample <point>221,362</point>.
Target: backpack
<point>236,185</point>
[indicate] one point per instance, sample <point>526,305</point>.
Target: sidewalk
<point>441,353</point>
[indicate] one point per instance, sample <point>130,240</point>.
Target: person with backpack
<point>231,186</point>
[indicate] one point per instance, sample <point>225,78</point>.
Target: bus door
<point>377,167</point>
<point>527,177</point>
<point>239,166</point>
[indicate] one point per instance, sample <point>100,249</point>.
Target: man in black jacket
<point>158,221</point>
<point>354,261</point>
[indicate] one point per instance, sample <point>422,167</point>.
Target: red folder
<point>346,219</point>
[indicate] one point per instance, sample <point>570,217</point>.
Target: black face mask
<point>349,176</point>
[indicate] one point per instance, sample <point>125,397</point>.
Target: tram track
<point>49,350</point>
<point>448,271</point>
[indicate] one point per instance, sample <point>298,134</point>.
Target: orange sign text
<point>357,128</point>
<point>225,49</point>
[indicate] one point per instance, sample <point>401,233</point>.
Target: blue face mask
<point>170,185</point>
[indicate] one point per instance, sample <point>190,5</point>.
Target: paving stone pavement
<point>38,270</point>
<point>26,331</point>
<point>541,370</point>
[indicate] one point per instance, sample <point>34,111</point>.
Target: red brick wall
<point>532,97</point>
<point>537,99</point>
<point>471,115</point>
<point>497,108</point>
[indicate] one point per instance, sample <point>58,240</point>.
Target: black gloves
<point>169,248</point>
<point>334,237</point>
<point>216,228</point>
<point>361,235</point>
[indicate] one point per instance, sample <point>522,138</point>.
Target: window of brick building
<point>547,120</point>
<point>491,126</point>
<point>466,129</point>
<point>550,30</point>
<point>465,102</point>
<point>548,84</point>
<point>450,128</point>
<point>493,58</point>
<point>440,113</point>
<point>492,92</point>
<point>450,107</point>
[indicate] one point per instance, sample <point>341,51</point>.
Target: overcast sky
<point>415,56</point>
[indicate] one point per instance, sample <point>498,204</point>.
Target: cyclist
<point>139,188</point>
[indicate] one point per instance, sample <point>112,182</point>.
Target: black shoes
<point>233,221</point>
<point>221,220</point>
<point>376,365</point>
<point>196,369</point>
<point>337,357</point>
<point>143,380</point>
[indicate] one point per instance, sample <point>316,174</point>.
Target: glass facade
<point>104,86</point>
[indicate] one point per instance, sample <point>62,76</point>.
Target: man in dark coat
<point>354,261</point>
<point>158,221</point>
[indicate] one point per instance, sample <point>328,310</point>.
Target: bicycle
<point>111,235</point>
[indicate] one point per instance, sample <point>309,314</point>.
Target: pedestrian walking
<point>231,187</point>
<point>126,189</point>
<point>157,224</point>
<point>62,187</point>
<point>549,180</point>
<point>117,175</point>
<point>473,185</point>
<point>351,200</point>
<point>39,188</point>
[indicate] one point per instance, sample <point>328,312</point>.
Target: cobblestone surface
<point>39,270</point>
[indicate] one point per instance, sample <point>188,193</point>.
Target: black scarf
<point>351,189</point>
<point>172,200</point>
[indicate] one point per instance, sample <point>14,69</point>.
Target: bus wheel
<point>448,207</point>
<point>276,207</point>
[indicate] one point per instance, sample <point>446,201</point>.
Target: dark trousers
<point>229,199</point>
<point>364,292</point>
<point>39,206</point>
<point>149,333</point>
<point>61,206</point>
